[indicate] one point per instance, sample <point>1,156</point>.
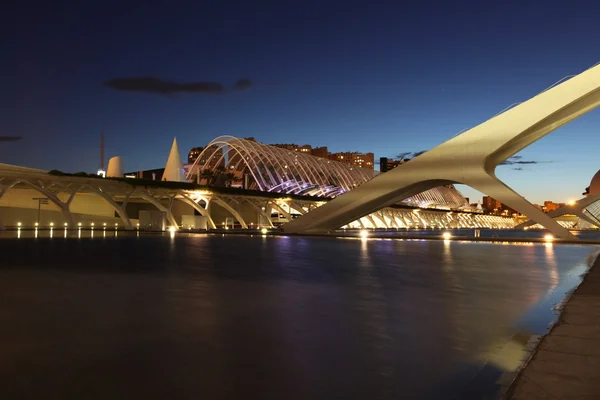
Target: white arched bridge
<point>268,168</point>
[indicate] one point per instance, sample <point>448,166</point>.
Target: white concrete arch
<point>232,211</point>
<point>203,212</point>
<point>120,210</point>
<point>260,211</point>
<point>167,210</point>
<point>63,206</point>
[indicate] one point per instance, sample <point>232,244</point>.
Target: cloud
<point>514,160</point>
<point>150,84</point>
<point>243,84</point>
<point>517,160</point>
<point>10,138</point>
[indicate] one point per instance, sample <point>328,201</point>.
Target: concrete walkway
<point>566,364</point>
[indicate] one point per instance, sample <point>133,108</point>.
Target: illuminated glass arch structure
<point>273,169</point>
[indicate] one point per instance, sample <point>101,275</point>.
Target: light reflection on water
<point>222,317</point>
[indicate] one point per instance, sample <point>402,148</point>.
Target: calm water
<point>242,317</point>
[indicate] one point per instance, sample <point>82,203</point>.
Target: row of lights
<point>79,224</point>
<point>447,236</point>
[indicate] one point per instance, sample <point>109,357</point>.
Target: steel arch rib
<point>469,158</point>
<point>220,143</point>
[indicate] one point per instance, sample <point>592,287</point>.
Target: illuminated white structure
<point>115,168</point>
<point>273,169</point>
<point>595,184</point>
<point>587,209</point>
<point>174,167</point>
<point>74,199</point>
<point>469,158</point>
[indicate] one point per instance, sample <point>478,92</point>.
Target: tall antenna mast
<point>102,151</point>
<point>101,170</point>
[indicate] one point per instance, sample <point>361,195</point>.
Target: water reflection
<point>287,317</point>
<point>551,266</point>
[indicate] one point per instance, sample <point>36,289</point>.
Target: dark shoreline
<point>561,360</point>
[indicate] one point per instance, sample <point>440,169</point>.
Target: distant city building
<point>307,148</point>
<point>150,174</point>
<point>320,152</point>
<point>364,160</point>
<point>493,206</point>
<point>490,205</point>
<point>193,154</point>
<point>551,206</point>
<point>387,164</point>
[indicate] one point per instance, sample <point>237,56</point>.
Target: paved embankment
<point>566,364</point>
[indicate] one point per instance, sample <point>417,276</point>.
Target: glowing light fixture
<point>36,224</point>
<point>172,229</point>
<point>18,224</point>
<point>51,223</point>
<point>79,224</point>
<point>264,231</point>
<point>446,235</point>
<point>364,233</point>
<point>548,238</point>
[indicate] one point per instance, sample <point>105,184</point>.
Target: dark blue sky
<point>380,76</point>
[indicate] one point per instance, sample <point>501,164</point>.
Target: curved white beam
<point>150,199</point>
<point>469,158</point>
<point>233,212</point>
<point>261,212</point>
<point>187,200</point>
<point>120,210</point>
<point>64,207</point>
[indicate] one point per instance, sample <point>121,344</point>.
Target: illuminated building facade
<point>193,154</point>
<point>363,160</point>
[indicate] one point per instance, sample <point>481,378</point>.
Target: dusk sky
<point>380,76</point>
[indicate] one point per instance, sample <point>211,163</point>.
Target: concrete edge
<point>507,395</point>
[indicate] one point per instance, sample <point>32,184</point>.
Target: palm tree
<point>207,174</point>
<point>228,178</point>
